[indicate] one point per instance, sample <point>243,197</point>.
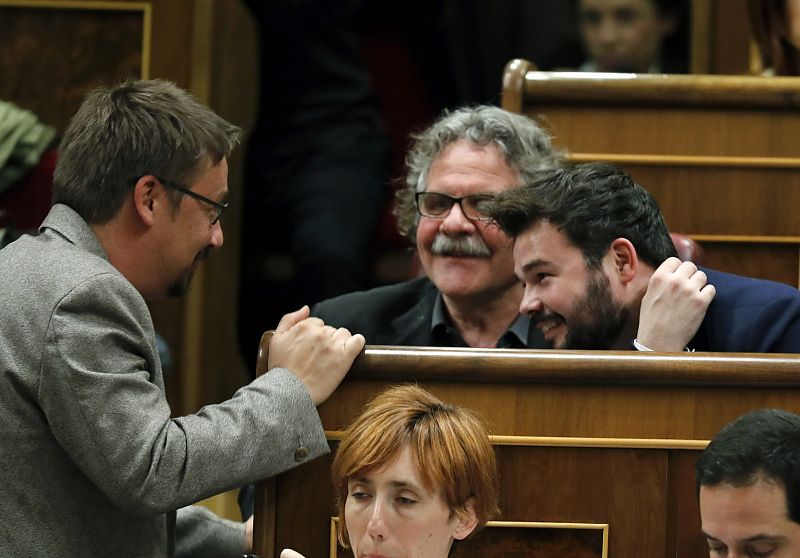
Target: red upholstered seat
<point>688,249</point>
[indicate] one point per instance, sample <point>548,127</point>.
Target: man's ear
<point>624,259</point>
<point>144,194</point>
<point>466,521</point>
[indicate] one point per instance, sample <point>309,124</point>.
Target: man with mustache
<point>93,463</point>
<point>469,296</point>
<point>599,271</point>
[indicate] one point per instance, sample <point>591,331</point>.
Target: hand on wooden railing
<point>319,355</point>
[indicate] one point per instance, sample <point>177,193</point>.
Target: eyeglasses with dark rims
<point>437,205</point>
<point>219,208</point>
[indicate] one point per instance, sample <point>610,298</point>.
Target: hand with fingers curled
<point>674,306</point>
<point>318,354</point>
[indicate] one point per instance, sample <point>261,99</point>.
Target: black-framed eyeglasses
<point>219,208</point>
<point>437,206</point>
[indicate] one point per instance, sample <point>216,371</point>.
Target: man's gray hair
<point>525,145</point>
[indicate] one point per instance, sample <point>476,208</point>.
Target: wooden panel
<point>724,201</point>
<point>530,539</point>
<point>654,90</point>
<point>731,38</point>
<point>605,438</point>
<point>605,411</point>
<point>588,485</point>
<point>642,130</point>
<point>718,152</point>
<point>535,541</point>
<point>51,56</point>
<point>777,262</point>
<point>684,539</point>
<point>305,505</point>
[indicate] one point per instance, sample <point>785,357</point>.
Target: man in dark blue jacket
<point>599,272</point>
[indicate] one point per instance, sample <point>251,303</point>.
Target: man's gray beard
<point>469,246</point>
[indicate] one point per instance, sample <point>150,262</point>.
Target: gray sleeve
<point>102,392</point>
<point>201,534</point>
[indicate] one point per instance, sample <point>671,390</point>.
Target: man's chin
<point>181,286</point>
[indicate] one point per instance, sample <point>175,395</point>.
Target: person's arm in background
<point>199,533</point>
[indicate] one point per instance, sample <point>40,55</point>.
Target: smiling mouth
<point>549,323</point>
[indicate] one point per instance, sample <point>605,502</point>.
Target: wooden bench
<point>720,153</point>
<point>596,449</point>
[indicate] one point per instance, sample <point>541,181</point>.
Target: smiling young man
<point>92,462</point>
<point>599,271</point>
<point>748,482</point>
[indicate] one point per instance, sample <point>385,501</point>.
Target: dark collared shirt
<point>445,335</point>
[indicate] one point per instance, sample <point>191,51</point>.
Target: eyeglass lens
<point>434,204</point>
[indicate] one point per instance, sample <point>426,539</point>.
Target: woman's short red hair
<point>450,445</point>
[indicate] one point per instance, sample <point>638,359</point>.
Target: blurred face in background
<point>793,21</point>
<point>623,35</point>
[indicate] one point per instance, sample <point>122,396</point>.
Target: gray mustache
<point>470,246</point>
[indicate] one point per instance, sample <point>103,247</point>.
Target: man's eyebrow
<point>765,537</point>
<point>754,538</point>
<point>532,264</point>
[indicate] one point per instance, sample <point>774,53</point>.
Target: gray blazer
<point>91,463</point>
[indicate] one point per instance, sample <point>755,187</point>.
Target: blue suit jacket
<point>749,316</point>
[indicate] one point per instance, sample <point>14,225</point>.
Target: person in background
<point>748,484</point>
<point>93,464</point>
<point>412,476</point>
<point>776,30</point>
<point>639,36</point>
<point>598,271</point>
<point>317,163</point>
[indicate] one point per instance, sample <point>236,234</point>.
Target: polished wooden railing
<point>601,439</point>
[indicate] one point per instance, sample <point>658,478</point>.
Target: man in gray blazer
<point>91,462</point>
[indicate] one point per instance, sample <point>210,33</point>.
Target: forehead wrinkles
<point>466,162</point>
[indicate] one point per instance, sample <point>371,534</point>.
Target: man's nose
<point>217,238</point>
<point>456,222</point>
<point>609,31</point>
<point>530,303</point>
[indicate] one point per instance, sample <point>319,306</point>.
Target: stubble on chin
<point>181,286</point>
